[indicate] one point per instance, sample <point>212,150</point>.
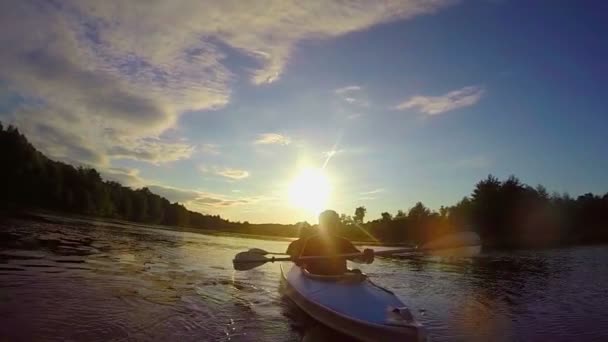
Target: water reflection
<point>80,280</point>
<point>307,328</point>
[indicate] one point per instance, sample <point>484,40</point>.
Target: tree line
<point>30,180</point>
<point>507,213</point>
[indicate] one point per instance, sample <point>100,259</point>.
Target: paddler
<point>326,242</point>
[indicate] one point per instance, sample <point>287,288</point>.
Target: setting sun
<point>310,190</point>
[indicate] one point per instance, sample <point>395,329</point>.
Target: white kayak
<point>352,305</point>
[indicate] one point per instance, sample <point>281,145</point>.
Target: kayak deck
<point>352,305</point>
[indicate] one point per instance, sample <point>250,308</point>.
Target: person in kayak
<point>326,242</point>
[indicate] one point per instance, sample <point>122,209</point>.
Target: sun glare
<point>310,190</point>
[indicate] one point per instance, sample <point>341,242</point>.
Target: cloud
<point>124,176</point>
<point>230,173</point>
<point>272,138</point>
<point>102,70</point>
<point>234,174</point>
<point>347,89</point>
<point>175,194</point>
<point>150,150</point>
<point>219,202</point>
<point>352,95</point>
<point>192,199</point>
<point>82,92</point>
<point>433,105</point>
<point>372,192</point>
<point>200,201</point>
<point>370,195</point>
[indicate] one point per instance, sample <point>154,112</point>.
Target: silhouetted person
<point>326,242</point>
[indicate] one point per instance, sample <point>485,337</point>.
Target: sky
<point>222,105</point>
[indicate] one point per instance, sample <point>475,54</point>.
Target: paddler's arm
<point>366,258</point>
<point>295,249</point>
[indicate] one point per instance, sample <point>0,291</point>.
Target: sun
<point>310,190</point>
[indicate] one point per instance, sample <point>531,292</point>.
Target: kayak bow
<point>352,305</point>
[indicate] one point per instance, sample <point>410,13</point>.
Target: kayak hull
<point>354,307</point>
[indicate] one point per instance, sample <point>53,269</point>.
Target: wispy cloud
<point>226,172</point>
<point>433,105</point>
<point>150,150</point>
<point>370,195</point>
<point>234,174</point>
<point>347,89</point>
<point>192,199</point>
<point>353,95</point>
<point>198,200</point>
<point>272,138</point>
<point>372,192</point>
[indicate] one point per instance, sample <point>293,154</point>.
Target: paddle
<point>263,252</point>
<point>468,242</point>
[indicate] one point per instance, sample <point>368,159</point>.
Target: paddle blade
<point>454,241</point>
<point>247,260</point>
<point>258,251</point>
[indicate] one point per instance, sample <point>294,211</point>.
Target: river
<point>81,280</point>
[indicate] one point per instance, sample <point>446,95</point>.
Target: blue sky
<point>221,105</point>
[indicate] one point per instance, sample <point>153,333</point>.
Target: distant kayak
<point>352,305</point>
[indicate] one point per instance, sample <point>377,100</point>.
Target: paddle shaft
<point>346,256</point>
<point>354,255</point>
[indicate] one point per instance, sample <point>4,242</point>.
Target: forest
<point>506,213</point>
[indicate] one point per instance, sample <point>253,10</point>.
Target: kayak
<point>353,305</point>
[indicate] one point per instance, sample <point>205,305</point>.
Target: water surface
<point>80,280</point>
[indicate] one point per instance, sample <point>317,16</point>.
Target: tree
<point>419,212</point>
<point>359,214</point>
<point>400,214</point>
<point>542,192</point>
<point>459,215</point>
<point>444,212</point>
<point>386,217</point>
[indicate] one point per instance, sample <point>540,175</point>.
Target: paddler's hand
<point>368,255</point>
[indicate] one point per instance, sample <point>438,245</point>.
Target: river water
<point>91,281</point>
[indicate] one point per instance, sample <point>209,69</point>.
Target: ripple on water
<point>74,281</point>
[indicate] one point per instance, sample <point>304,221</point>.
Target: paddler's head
<point>329,222</point>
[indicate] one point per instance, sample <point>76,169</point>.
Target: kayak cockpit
<point>349,276</point>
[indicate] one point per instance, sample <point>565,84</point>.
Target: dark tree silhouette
<point>359,215</point>
<point>386,217</point>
